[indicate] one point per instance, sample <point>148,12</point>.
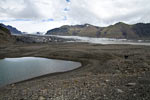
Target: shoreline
<point>46,75</point>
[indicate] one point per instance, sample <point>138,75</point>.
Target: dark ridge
<point>13,30</point>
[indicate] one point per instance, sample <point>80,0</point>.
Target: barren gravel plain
<point>108,72</point>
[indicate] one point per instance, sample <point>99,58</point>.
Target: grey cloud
<point>82,15</point>
<point>29,11</point>
<point>133,17</point>
<point>137,11</point>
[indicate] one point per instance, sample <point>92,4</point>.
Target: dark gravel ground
<point>108,72</point>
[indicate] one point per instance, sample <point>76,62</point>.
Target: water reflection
<point>18,69</point>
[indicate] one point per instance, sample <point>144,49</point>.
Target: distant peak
<point>65,26</point>
<point>120,23</point>
<point>86,24</point>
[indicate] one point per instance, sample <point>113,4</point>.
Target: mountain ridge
<point>12,29</point>
<point>5,36</point>
<point>118,30</point>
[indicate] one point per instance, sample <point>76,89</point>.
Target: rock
<point>126,56</point>
<point>107,80</point>
<point>131,84</point>
<point>41,98</point>
<point>119,91</point>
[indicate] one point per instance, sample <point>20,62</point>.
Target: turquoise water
<point>19,69</point>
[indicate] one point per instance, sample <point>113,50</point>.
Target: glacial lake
<point>18,69</point>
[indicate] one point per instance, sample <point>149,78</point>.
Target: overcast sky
<point>42,15</point>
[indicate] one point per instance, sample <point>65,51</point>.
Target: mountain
<point>79,30</point>
<point>122,30</point>
<point>142,30</point>
<point>118,30</point>
<point>5,36</point>
<point>13,30</point>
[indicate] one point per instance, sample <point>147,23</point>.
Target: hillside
<point>5,36</point>
<point>77,30</point>
<point>13,30</point>
<point>118,30</point>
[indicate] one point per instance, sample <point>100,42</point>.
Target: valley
<point>108,71</point>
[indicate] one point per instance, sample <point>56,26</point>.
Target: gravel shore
<point>108,72</point>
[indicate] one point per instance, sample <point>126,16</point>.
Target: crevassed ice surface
<point>19,69</point>
<point>104,40</point>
